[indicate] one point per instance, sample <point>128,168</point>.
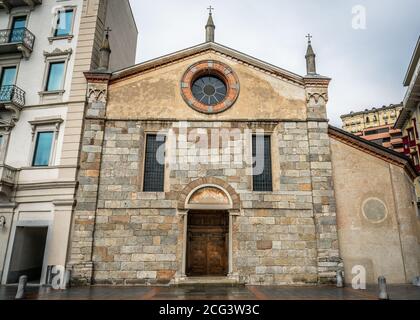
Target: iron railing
<point>12,94</point>
<point>17,36</point>
<point>10,4</point>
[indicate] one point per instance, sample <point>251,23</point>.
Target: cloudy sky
<point>367,63</point>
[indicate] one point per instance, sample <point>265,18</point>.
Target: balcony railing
<point>14,40</point>
<point>10,4</point>
<point>12,94</point>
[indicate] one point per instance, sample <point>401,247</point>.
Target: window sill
<point>51,93</point>
<point>56,38</point>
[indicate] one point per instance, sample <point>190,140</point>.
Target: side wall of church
<point>378,225</point>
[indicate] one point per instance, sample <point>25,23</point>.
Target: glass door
<point>18,29</point>
<point>8,75</point>
<point>7,80</point>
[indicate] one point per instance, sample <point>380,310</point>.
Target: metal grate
<point>261,152</point>
<point>154,168</point>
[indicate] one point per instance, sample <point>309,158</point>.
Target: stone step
<point>207,281</point>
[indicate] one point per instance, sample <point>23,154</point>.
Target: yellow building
<point>356,122</point>
<point>376,125</point>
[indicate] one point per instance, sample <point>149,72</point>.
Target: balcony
<point>8,176</point>
<point>19,40</point>
<point>12,100</point>
<point>10,4</point>
<point>12,95</point>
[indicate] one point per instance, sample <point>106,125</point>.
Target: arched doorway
<point>207,243</point>
<point>208,206</point>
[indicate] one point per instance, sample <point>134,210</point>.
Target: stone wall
<point>126,236</point>
<point>138,236</point>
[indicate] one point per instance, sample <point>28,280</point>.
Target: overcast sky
<point>367,65</point>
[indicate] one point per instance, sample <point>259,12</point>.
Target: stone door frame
<point>184,208</point>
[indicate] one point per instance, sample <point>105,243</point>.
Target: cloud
<point>367,66</point>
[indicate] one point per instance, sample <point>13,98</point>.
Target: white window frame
<point>8,65</point>
<point>70,36</point>
<point>19,13</point>
<point>51,57</point>
<point>45,125</point>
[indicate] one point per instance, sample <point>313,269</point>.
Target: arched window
<point>367,120</point>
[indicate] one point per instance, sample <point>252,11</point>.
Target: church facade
<point>211,164</point>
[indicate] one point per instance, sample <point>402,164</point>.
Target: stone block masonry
<point>124,236</point>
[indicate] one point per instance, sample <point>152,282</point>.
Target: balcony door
<point>7,80</point>
<point>8,75</point>
<point>17,29</point>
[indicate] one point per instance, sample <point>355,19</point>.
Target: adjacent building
<point>408,121</point>
<point>376,125</point>
<point>45,46</point>
<point>410,115</point>
<point>211,165</point>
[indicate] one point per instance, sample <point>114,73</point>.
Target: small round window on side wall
<point>374,210</point>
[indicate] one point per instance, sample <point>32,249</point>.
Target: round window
<point>209,90</point>
<point>374,210</point>
<point>210,86</point>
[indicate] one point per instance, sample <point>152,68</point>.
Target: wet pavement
<point>396,292</point>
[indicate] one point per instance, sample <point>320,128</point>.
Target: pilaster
<point>81,253</point>
<point>324,206</point>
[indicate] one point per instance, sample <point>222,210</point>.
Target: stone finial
<point>210,27</point>
<point>105,52</point>
<point>310,58</point>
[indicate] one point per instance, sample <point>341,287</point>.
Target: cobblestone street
<point>400,292</point>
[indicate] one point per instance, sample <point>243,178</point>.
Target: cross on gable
<point>210,9</point>
<point>309,37</point>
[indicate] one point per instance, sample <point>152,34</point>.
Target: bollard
<point>20,294</point>
<point>416,281</point>
<point>383,294</point>
<point>340,281</point>
<point>67,277</point>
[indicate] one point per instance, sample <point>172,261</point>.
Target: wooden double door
<point>207,246</point>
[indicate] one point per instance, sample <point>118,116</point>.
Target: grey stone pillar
<point>324,205</point>
<point>81,252</point>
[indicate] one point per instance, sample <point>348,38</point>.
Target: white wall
<point>35,206</point>
<point>40,22</point>
<point>20,148</point>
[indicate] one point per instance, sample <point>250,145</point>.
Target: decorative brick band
<point>236,203</point>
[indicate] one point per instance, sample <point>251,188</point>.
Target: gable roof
<point>374,149</point>
<point>208,46</point>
